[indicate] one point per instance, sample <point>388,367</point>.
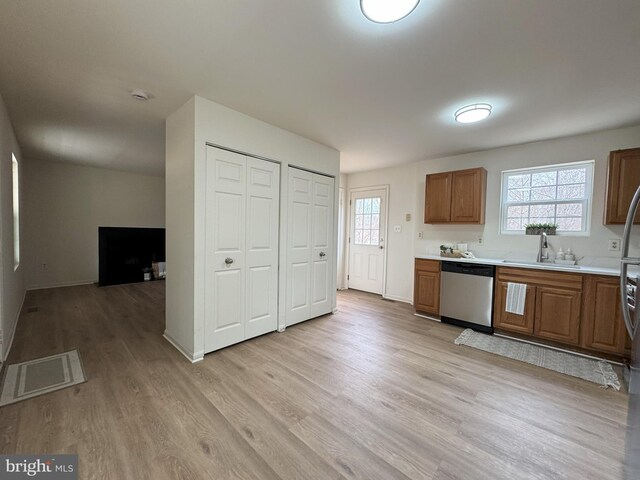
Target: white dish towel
<point>516,296</point>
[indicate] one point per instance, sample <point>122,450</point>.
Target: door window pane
<point>367,221</point>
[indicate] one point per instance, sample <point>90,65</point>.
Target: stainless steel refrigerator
<point>630,298</point>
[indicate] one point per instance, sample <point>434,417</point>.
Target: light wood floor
<point>372,392</point>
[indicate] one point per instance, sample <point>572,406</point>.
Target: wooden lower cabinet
<point>510,321</point>
<point>602,324</point>
<point>580,311</point>
<point>426,296</point>
<point>557,315</point>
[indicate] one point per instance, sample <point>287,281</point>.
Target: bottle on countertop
<point>569,255</point>
<point>560,255</point>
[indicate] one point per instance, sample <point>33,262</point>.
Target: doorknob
<point>228,260</point>
<point>322,254</point>
<point>381,247</point>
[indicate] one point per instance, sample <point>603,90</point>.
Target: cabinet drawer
<point>424,265</point>
<point>546,278</point>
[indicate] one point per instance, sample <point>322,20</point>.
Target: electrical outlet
<point>397,228</point>
<point>480,241</point>
<point>420,235</point>
<point>614,245</point>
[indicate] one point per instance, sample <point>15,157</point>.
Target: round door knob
<point>228,260</point>
<point>322,254</point>
<point>381,247</point>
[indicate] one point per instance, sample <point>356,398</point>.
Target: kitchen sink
<point>542,264</point>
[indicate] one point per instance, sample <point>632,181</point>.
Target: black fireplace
<point>124,252</point>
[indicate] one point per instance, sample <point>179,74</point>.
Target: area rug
<point>596,371</point>
<point>42,375</point>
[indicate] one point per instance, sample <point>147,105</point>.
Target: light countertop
<point>614,272</point>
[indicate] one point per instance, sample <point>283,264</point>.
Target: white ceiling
<point>381,94</point>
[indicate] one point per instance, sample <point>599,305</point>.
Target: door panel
<point>310,254</point>
<point>437,198</point>
<point>299,250</point>
<point>225,239</point>
<point>322,252</point>
<point>263,210</point>
<point>367,242</point>
<point>242,222</point>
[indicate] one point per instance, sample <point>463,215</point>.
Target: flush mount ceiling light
<point>473,113</point>
<point>387,11</point>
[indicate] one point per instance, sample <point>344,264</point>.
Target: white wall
<point>180,233</point>
<point>207,121</point>
<point>12,285</point>
<point>64,204</point>
<point>407,195</point>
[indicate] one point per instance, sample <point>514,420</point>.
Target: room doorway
<point>367,239</point>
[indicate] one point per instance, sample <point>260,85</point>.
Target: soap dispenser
<point>560,254</point>
<point>569,255</point>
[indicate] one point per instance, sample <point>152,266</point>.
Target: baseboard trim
<point>427,317</point>
<point>62,284</point>
<point>5,353</point>
<point>192,357</point>
<point>559,349</point>
<point>398,299</point>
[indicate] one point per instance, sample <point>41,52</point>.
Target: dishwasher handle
<point>469,269</point>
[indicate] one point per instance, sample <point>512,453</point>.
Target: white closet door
<point>310,253</point>
<point>225,249</point>
<point>299,252</point>
<point>263,215</point>
<point>322,256</point>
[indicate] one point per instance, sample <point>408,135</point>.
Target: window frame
<point>587,202</point>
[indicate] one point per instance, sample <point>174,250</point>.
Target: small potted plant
<point>540,228</point>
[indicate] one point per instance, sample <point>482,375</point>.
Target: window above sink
<point>559,194</point>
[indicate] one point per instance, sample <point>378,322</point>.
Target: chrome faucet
<point>542,255</point>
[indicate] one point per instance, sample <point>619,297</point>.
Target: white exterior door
<point>310,254</point>
<point>242,218</point>
<point>366,245</point>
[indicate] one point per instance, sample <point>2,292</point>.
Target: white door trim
<point>347,252</point>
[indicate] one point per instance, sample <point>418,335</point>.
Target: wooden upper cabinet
<point>437,198</point>
<point>455,197</point>
<point>602,325</point>
<point>623,178</point>
<point>468,196</point>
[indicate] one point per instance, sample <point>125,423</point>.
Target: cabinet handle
<point>228,260</point>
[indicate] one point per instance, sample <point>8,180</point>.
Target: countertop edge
<point>557,268</point>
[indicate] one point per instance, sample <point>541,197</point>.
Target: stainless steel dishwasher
<point>466,295</point>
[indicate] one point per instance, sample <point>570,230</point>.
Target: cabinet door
<point>623,178</point>
<point>558,314</point>
<point>437,198</point>
<point>504,320</point>
<point>467,196</point>
<point>427,291</point>
<point>602,324</point>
